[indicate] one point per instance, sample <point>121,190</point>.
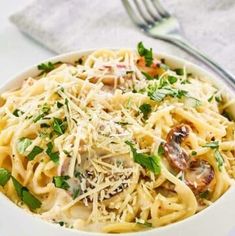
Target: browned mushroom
<point>199,175</point>
<point>174,153</point>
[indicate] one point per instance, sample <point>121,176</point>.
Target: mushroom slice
<point>174,153</point>
<point>199,175</point>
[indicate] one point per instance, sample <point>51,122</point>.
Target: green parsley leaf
<point>204,194</point>
<point>45,111</point>
<point>23,193</point>
<point>54,156</point>
<point>35,151</point>
<point>218,99</point>
<point>193,153</point>
<point>146,53</point>
<point>59,126</point>
<point>47,67</point>
<point>212,145</point>
<point>179,71</point>
<point>23,144</point>
<point>145,224</point>
<point>210,98</point>
<point>17,112</point>
<point>219,159</point>
<point>18,187</point>
<point>151,162</point>
<point>32,202</point>
<point>172,79</point>
<point>147,76</point>
<point>59,104</point>
<point>161,150</point>
<point>145,109</point>
<point>76,193</point>
<point>5,175</point>
<point>60,182</point>
<point>159,94</point>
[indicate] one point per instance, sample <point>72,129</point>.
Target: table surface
<point>17,51</point>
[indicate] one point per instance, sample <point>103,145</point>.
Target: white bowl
<point>216,220</point>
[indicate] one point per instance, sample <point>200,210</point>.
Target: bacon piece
<point>153,70</point>
<point>174,153</point>
<point>199,175</point>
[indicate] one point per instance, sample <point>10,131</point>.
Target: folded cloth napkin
<point>66,25</point>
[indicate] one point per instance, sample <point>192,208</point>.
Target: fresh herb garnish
<point>67,153</point>
<point>23,144</point>
<point>59,104</point>
<point>35,151</point>
<point>146,53</point>
<point>179,71</point>
<point>144,223</point>
<point>193,153</point>
<point>61,182</point>
<point>147,76</point>
<point>145,109</point>
<point>76,193</point>
<point>150,162</point>
<point>54,156</point>
<point>47,67</point>
<point>212,145</point>
<point>23,193</point>
<point>161,150</point>
<point>44,111</point>
<point>219,159</point>
<point>17,112</point>
<point>66,102</point>
<point>172,79</point>
<point>121,123</point>
<point>5,175</point>
<point>59,126</point>
<point>218,99</point>
<point>204,194</point>
<point>159,94</point>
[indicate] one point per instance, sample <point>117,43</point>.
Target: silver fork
<point>151,17</point>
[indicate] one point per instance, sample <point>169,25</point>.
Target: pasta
<point>115,142</point>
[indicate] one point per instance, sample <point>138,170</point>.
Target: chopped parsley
<point>147,76</point>
<point>204,194</point>
<point>17,113</point>
<point>44,111</point>
<point>212,145</point>
<point>23,193</point>
<point>194,153</point>
<point>145,109</point>
<point>47,67</point>
<point>59,126</point>
<point>35,151</point>
<point>219,159</point>
<point>161,150</point>
<point>23,144</point>
<point>172,79</point>
<point>179,71</point>
<point>150,162</point>
<point>54,156</point>
<point>59,104</point>
<point>76,193</point>
<point>5,175</point>
<point>146,53</point>
<point>159,94</point>
<point>61,182</point>
<point>143,223</point>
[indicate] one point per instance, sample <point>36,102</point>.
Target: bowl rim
<point>20,76</point>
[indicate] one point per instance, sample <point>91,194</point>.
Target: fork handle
<point>227,76</point>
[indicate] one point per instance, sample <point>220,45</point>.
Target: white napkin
<point>66,25</point>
